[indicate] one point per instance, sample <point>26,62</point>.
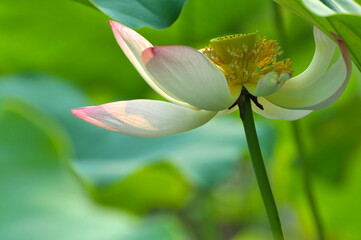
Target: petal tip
<point>345,53</point>
<point>335,36</point>
<point>147,55</point>
<point>112,23</point>
<point>78,112</point>
<point>115,25</point>
<point>75,112</point>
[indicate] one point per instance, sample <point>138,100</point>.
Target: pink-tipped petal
<point>144,118</point>
<point>347,60</point>
<point>133,44</point>
<point>313,91</point>
<point>188,75</point>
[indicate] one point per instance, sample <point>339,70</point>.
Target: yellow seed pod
<point>223,46</point>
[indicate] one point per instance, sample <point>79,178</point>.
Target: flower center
<point>245,58</point>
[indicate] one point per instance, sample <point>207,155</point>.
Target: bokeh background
<point>61,178</point>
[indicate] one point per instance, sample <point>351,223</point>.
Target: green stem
<point>259,168</point>
<point>307,180</point>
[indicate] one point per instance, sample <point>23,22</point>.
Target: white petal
<point>133,45</point>
<point>144,118</point>
<point>324,51</point>
<point>188,75</point>
<point>315,88</point>
<point>275,112</point>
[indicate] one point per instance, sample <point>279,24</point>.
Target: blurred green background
<point>61,178</point>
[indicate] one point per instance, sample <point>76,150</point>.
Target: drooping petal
<point>133,45</point>
<point>144,118</point>
<point>324,51</point>
<point>188,75</point>
<point>315,89</point>
<point>275,112</point>
<point>347,60</point>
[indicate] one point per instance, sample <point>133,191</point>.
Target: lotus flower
<point>201,84</point>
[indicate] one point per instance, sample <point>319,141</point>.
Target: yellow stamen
<point>244,59</point>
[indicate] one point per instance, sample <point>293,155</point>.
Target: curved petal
<point>133,45</point>
<point>275,112</point>
<point>313,90</point>
<point>144,118</point>
<point>324,51</point>
<point>188,75</point>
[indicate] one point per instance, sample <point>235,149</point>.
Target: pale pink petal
<point>188,75</point>
<point>133,44</point>
<point>144,118</point>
